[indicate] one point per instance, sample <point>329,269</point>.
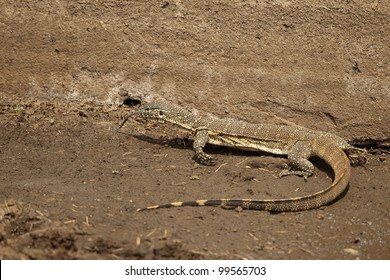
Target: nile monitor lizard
<point>298,143</point>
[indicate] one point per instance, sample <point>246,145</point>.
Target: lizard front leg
<point>298,160</point>
<point>201,138</point>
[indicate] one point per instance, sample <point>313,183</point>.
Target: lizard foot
<point>302,173</point>
<point>206,159</point>
<point>357,156</point>
<point>209,161</point>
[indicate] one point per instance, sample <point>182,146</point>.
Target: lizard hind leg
<point>298,161</point>
<point>357,156</point>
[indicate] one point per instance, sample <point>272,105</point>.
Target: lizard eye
<point>160,113</point>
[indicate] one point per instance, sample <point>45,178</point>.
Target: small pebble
<point>351,251</point>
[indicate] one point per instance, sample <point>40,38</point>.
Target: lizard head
<point>155,110</point>
<point>164,111</point>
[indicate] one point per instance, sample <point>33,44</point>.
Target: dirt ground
<point>70,186</point>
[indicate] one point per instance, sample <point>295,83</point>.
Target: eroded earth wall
<point>321,64</point>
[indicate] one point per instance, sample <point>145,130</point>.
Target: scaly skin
<point>298,143</point>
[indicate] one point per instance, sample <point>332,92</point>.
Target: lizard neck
<point>185,119</point>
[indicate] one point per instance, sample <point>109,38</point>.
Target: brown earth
<point>70,184</point>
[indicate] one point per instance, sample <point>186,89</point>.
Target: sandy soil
<point>70,186</point>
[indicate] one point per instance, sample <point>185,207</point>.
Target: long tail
<point>325,149</point>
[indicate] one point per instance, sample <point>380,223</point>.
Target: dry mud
<point>70,187</point>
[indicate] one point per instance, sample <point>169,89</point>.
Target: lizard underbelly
<point>249,144</point>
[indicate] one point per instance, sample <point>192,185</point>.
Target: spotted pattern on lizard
<point>298,143</point>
